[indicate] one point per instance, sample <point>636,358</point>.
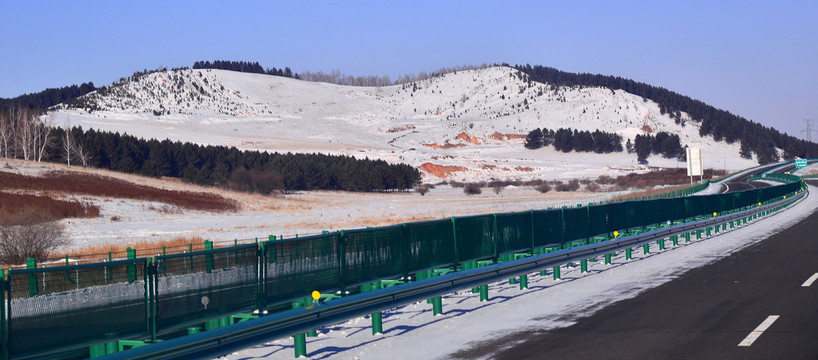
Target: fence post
<point>495,234</point>
<point>533,238</point>
<point>4,339</point>
<point>33,290</point>
<point>454,238</point>
<point>208,245</point>
<point>131,266</point>
<point>342,263</point>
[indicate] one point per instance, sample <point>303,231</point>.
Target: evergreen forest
<point>721,124</point>
<point>567,140</point>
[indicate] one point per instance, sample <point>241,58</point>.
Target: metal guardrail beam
<point>222,341</point>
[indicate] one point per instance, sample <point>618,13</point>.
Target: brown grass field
<point>83,183</point>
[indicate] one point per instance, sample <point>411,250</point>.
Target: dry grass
<point>97,185</point>
<point>23,209</point>
<point>651,192</point>
<point>661,177</point>
<point>143,248</point>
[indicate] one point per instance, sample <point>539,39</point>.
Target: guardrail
<point>104,308</point>
<point>226,340</point>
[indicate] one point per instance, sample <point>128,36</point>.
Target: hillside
<point>464,125</point>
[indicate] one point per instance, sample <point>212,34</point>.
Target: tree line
<point>567,140</point>
<point>23,135</point>
<point>665,144</point>
<point>244,66</point>
<point>46,98</point>
<point>721,124</point>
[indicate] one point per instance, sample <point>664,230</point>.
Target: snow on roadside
<point>412,333</point>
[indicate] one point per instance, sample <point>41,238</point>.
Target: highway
<point>758,303</point>
<point>742,182</point>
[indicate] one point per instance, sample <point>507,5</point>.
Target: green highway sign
<point>800,163</point>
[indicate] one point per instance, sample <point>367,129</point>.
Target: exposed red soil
<point>445,146</point>
<point>463,136</point>
<point>503,137</point>
<point>440,171</point>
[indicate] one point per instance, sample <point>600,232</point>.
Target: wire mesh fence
<point>61,306</point>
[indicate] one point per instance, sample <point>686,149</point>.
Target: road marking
<point>750,339</point>
<point>811,280</point>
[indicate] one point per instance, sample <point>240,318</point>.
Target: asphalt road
<point>741,183</point>
<point>704,314</point>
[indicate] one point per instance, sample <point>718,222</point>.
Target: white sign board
<point>694,161</point>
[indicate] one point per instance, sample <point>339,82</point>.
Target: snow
<point>394,123</point>
<point>411,332</point>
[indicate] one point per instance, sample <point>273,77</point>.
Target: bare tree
<point>73,149</point>
<point>6,134</point>
<point>43,136</point>
<point>18,242</point>
<point>68,142</point>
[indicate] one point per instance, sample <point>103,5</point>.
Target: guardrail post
<point>629,254</point>
<point>716,229</point>
<point>661,243</point>
<point>523,281</point>
<point>484,293</point>
<point>646,248</point>
<point>687,237</point>
<point>724,227</point>
<point>300,345</point>
<point>377,323</point>
<point>557,273</point>
<point>675,240</point>
<point>583,266</point>
<point>698,234</point>
<point>609,258</point>
<point>708,232</point>
<point>437,306</point>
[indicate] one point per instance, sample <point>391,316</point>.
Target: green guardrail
<point>96,309</point>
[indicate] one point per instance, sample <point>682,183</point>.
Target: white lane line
<point>811,280</point>
<point>750,339</point>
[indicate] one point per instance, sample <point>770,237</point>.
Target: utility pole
<point>809,130</point>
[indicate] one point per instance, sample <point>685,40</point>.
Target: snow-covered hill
<point>468,125</point>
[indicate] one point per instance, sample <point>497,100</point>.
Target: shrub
<point>422,189</point>
<point>605,180</point>
<point>18,242</point>
<point>543,187</point>
<point>572,185</point>
<point>472,189</point>
<point>592,187</point>
<point>498,186</point>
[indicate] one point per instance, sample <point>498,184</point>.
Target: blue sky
<point>752,58</point>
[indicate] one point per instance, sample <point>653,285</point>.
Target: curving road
<point>758,303</point>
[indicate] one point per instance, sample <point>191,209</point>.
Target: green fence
<point>87,305</point>
<point>62,306</point>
